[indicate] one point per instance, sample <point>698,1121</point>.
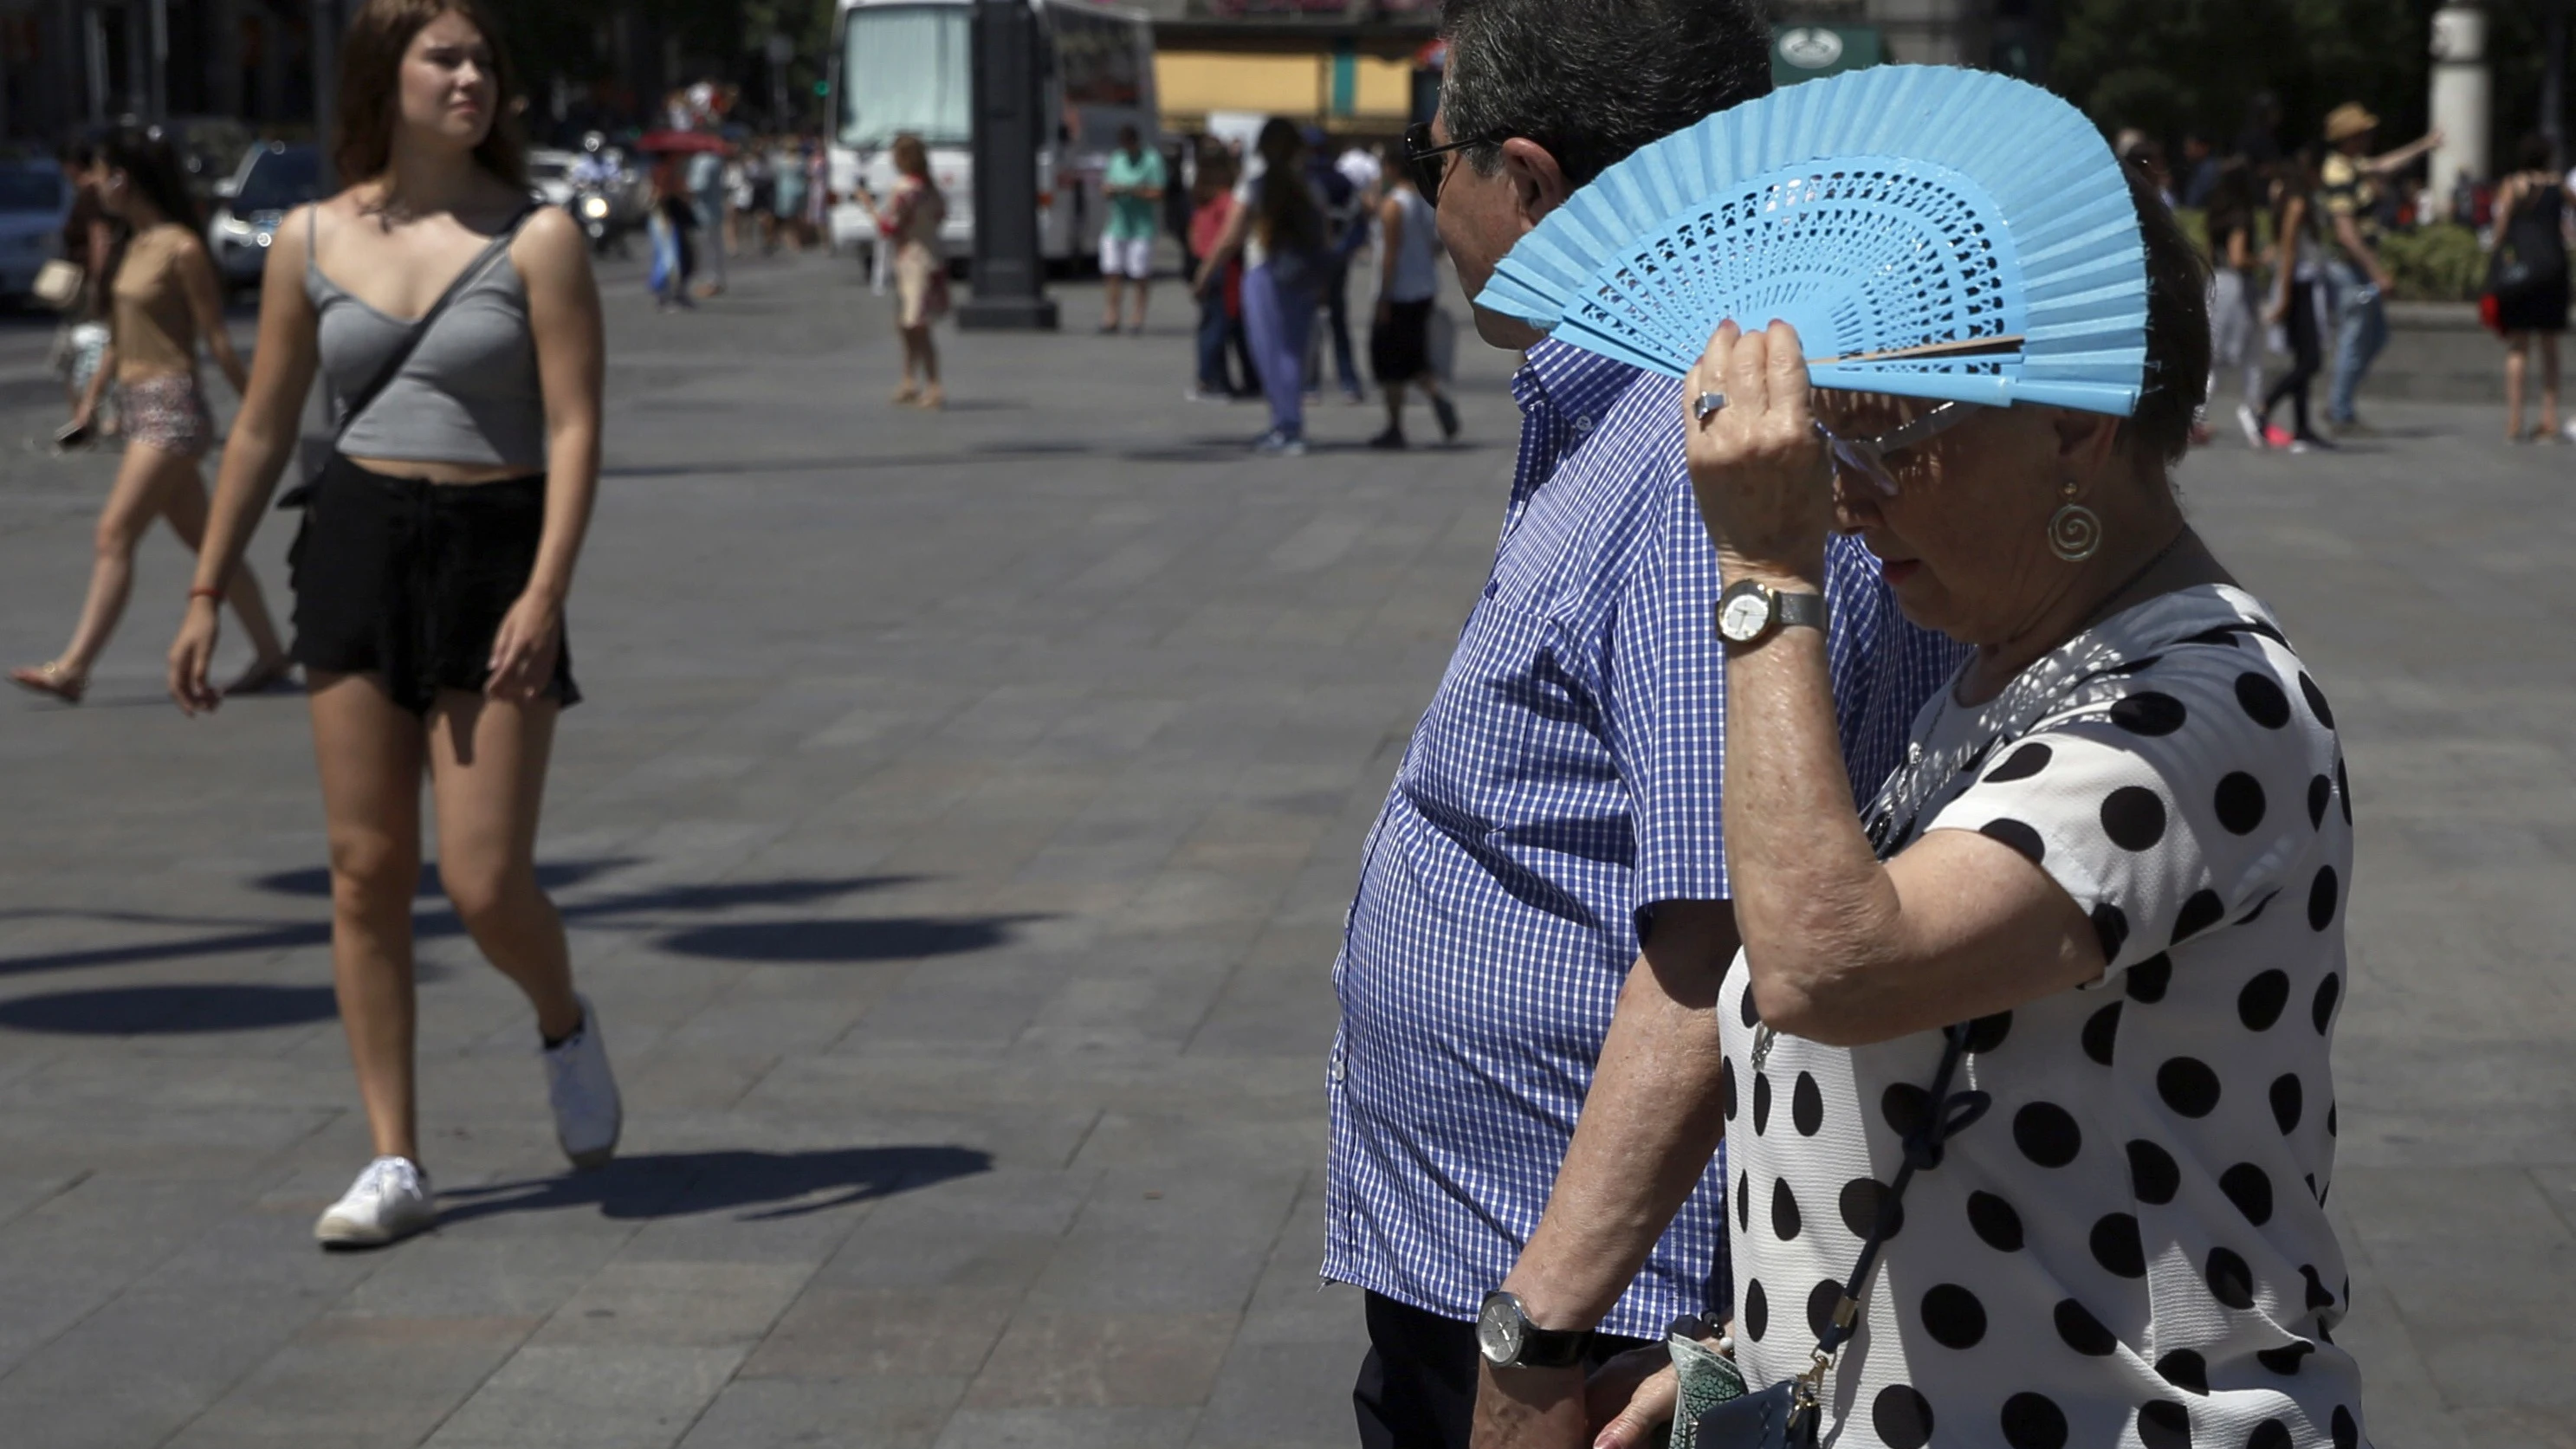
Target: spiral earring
<point>2074,531</point>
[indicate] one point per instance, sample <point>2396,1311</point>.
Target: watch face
<point>1744,617</point>
<point>1498,1330</point>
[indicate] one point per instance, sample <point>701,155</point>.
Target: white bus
<point>902,65</point>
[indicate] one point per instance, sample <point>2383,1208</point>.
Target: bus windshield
<point>903,68</point>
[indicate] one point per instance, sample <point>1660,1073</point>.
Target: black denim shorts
<point>410,580</point>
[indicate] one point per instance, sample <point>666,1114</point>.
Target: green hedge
<point>2439,263</point>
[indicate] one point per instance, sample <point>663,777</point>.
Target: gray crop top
<point>467,394</point>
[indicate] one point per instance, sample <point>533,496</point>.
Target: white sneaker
<point>390,1200</point>
<point>584,1092</point>
<point>2252,425</point>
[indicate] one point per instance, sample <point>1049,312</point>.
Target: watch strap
<point>1552,1347</point>
<point>1798,610</point>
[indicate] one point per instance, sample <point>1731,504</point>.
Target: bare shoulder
<point>551,252</point>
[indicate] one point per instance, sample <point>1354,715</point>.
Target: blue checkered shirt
<point>1564,780</point>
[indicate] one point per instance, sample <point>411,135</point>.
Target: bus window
<point>904,68</point>
<point>1096,56</point>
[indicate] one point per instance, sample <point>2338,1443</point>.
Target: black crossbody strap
<point>359,401</point>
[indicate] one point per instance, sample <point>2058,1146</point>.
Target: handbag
<point>1785,1415</point>
<point>359,401</point>
<point>58,283</point>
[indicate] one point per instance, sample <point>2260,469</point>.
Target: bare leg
<point>487,771</point>
<point>2513,370</point>
<point>144,483</point>
<point>186,511</point>
<point>370,752</point>
<point>932,396</point>
<point>1112,288</point>
<point>2547,343</point>
<point>1395,407</point>
<point>911,389</point>
<point>1144,292</point>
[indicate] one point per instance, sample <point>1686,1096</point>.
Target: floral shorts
<point>168,413</point>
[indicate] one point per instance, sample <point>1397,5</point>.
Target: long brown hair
<point>371,57</point>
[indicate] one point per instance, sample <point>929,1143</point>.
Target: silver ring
<point>1707,405</point>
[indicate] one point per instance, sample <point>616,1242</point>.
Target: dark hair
<point>371,56</point>
<point>2533,154</point>
<point>1286,211</point>
<point>2232,204</point>
<point>78,152</point>
<point>1592,80</point>
<point>2177,380</point>
<point>152,167</point>
<point>1129,138</point>
<point>910,156</point>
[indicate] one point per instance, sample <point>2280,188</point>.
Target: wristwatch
<point>1508,1339</point>
<point>1747,612</point>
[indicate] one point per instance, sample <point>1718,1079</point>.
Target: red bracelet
<point>202,592</point>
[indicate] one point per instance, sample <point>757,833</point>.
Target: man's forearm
<point>1649,1126</point>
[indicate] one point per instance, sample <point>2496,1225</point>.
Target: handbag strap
<point>365,397</point>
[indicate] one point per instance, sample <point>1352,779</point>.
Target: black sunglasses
<point>1429,163</point>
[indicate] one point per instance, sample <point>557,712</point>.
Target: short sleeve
<point>2172,797</point>
<point>2342,185</point>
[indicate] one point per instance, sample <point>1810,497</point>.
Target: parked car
<point>34,198</point>
<point>550,174</point>
<point>274,178</point>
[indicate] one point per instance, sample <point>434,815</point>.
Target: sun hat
<point>2347,121</point>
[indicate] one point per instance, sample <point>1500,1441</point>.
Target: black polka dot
<point>2259,1004</point>
<point>1902,1417</point>
<point>1785,1221</point>
<point>2188,1086</point>
<point>2247,1186</point>
<point>2164,1424</point>
<point>1806,1106</point>
<point>2240,802</point>
<point>2102,1033</point>
<point>2343,789</point>
<point>2149,713</point>
<point>2230,1281</point>
<point>2198,914</point>
<point>1744,1201</point>
<point>1988,1032</point>
<point>1821,1301</point>
<point>2313,1190</point>
<point>2149,978</point>
<point>1761,1102</point>
<point>1867,1206</point>
<point>2330,1119</point>
<point>2346,1432</point>
<point>2046,1134</point>
<point>2320,795</point>
<point>2316,699</point>
<point>2031,1421</point>
<point>2082,1332</point>
<point>2117,1248</point>
<point>1953,1316</point>
<point>1726,1088</point>
<point>2287,1100</point>
<point>1757,1309</point>
<point>1744,1008</point>
<point>2111,928</point>
<point>2019,836</point>
<point>2185,1370</point>
<point>1905,1107</point>
<point>2319,1295</point>
<point>2321,1011</point>
<point>2262,700</point>
<point>2270,1434</point>
<point>2134,817</point>
<point>1997,1225</point>
<point>2252,915</point>
<point>2285,1359</point>
<point>2153,1176</point>
<point>2138,665</point>
<point>2021,764</point>
<point>2321,898</point>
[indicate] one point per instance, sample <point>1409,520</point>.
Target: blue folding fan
<point>1930,231</point>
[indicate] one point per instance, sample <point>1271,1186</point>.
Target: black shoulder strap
<point>359,401</point>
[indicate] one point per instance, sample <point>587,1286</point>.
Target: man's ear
<point>1538,184</point>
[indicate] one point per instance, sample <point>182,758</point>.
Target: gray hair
<point>1592,80</point>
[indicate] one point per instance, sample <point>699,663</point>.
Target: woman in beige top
<point>909,221</point>
<point>163,298</point>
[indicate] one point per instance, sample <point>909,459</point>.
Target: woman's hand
<point>191,654</point>
<point>1758,465</point>
<point>523,650</point>
<point>1632,1396</point>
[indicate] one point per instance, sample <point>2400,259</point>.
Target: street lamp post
<point>2463,95</point>
<point>1010,294</point>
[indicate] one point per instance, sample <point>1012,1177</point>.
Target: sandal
<point>50,679</point>
<point>906,395</point>
<point>262,677</point>
<point>932,400</point>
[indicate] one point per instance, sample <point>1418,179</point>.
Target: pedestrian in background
<point>164,302</point>
<point>2528,278</point>
<point>2235,290</point>
<point>1278,231</point>
<point>2298,308</point>
<point>2350,187</point>
<point>1133,181</point>
<point>908,223</point>
<point>714,206</point>
<point>90,239</point>
<point>435,556</point>
<point>672,218</point>
<point>1408,285</point>
<point>787,192</point>
<point>1345,232</point>
<point>1219,288</point>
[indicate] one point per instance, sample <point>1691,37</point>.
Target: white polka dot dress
<point>2131,1247</point>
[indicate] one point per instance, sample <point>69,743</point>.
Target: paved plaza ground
<point>955,840</point>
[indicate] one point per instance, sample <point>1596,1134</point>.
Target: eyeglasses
<point>1428,162</point>
<point>1868,456</point>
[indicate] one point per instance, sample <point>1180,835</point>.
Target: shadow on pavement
<point>679,1184</point>
<point>169,1010</point>
<point>850,939</point>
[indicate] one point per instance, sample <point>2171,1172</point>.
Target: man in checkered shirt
<point>1542,919</point>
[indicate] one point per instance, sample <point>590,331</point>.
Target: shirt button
<point>1336,1068</point>
<point>1493,587</point>
<point>1582,424</point>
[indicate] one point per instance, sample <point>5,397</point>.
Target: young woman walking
<point>2298,277</point>
<point>2531,284</point>
<point>909,223</point>
<point>435,554</point>
<point>2235,280</point>
<point>1278,230</point>
<point>162,301</point>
